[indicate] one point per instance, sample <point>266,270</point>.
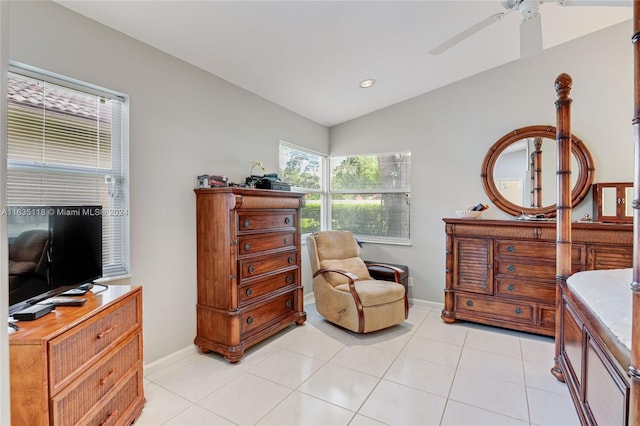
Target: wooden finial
<point>563,85</point>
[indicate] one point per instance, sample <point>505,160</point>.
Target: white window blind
<point>67,146</point>
<point>370,195</point>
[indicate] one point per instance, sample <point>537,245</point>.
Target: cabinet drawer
<point>518,288</point>
<point>255,266</point>
<point>542,251</point>
<point>119,404</point>
<point>77,348</point>
<point>253,319</point>
<point>548,318</point>
<point>522,312</point>
<point>254,289</point>
<point>537,250</point>
<point>266,220</point>
<point>249,244</point>
<point>78,398</point>
<point>543,271</point>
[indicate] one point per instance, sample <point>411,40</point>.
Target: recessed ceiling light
<point>367,83</point>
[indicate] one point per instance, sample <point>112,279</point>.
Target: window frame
<point>407,190</point>
<point>323,181</point>
<point>122,268</point>
<point>326,193</point>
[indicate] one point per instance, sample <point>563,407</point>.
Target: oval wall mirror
<point>519,171</point>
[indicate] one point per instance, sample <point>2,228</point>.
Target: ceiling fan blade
<point>467,33</point>
<point>531,36</point>
<point>608,3</point>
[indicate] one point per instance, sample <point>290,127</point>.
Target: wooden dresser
<point>80,364</point>
<point>503,272</point>
<point>249,280</point>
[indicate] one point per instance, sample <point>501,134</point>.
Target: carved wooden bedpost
<point>634,368</point>
<point>563,205</point>
<point>536,173</point>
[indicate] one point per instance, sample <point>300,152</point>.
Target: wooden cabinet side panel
<point>214,253</point>
<point>29,392</point>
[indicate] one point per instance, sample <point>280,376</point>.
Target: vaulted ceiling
<point>310,56</point>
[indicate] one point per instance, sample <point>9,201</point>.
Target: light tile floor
<point>423,372</point>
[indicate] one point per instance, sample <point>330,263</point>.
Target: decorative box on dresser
<point>503,272</point>
<point>80,364</point>
<point>248,260</point>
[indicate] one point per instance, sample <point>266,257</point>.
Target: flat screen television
<point>51,250</point>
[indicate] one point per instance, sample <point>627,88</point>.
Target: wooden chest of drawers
<point>249,280</point>
<point>502,272</point>
<point>80,365</point>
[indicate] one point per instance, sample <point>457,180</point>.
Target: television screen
<point>52,249</point>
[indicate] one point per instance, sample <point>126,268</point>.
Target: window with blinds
<point>304,171</point>
<point>67,145</point>
<point>370,194</point>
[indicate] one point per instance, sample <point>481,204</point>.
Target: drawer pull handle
<point>286,241</point>
<point>511,268</point>
<point>290,259</point>
<point>251,269</point>
<point>247,246</point>
<point>107,331</point>
<point>109,417</point>
<point>511,287</point>
<point>288,279</point>
<point>250,320</point>
<point>518,311</point>
<point>287,220</point>
<point>469,303</point>
<point>511,249</point>
<point>249,292</point>
<point>245,224</point>
<point>105,378</point>
<point>288,303</point>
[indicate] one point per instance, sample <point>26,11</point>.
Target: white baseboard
<point>173,357</point>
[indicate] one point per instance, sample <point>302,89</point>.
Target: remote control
<point>33,312</point>
<point>64,301</point>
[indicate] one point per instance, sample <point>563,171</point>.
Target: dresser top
<point>538,223</point>
<point>249,191</point>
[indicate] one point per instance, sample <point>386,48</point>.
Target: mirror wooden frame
<point>582,186</point>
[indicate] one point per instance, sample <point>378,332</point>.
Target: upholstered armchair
<point>344,291</point>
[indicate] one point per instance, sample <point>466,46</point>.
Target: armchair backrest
<point>336,250</point>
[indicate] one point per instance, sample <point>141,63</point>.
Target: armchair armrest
<point>352,289</point>
<point>396,271</point>
<point>351,277</point>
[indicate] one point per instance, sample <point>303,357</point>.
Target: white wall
<point>184,122</point>
<point>449,132</point>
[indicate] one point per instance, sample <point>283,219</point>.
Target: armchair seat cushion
<point>374,292</point>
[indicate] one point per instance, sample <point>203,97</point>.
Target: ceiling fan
<point>530,23</point>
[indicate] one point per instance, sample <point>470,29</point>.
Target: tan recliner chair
<point>345,293</point>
